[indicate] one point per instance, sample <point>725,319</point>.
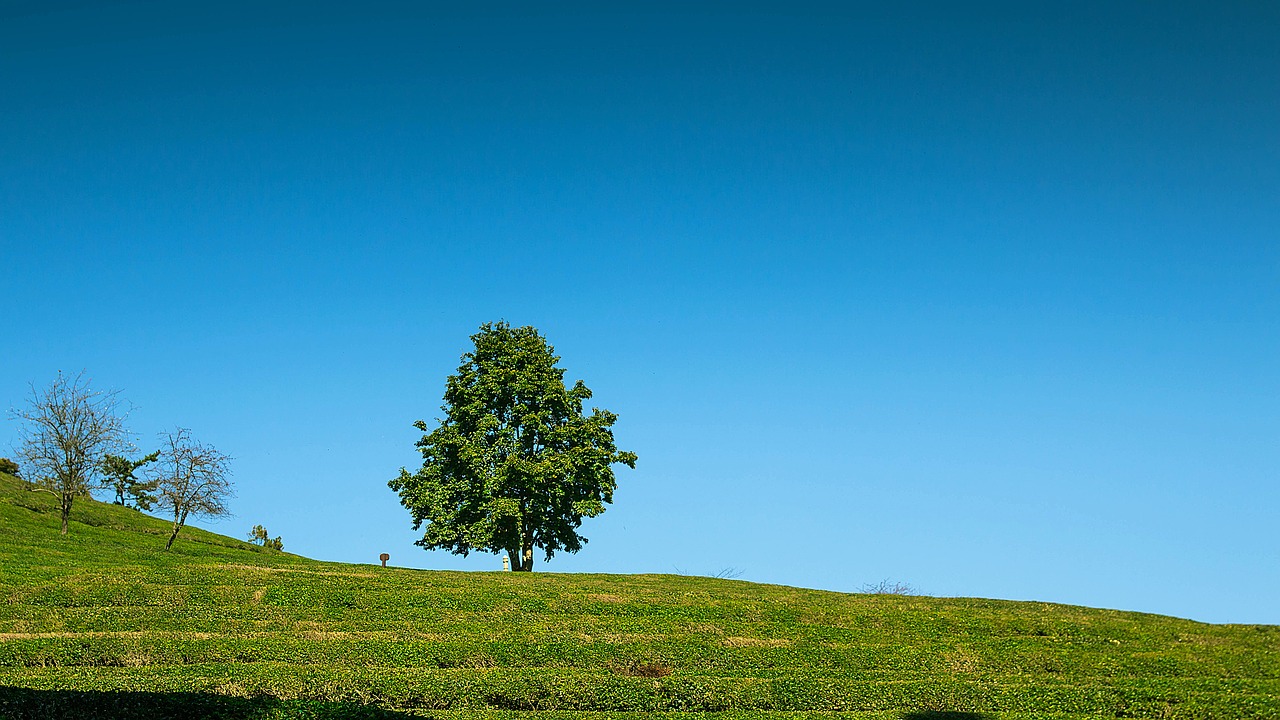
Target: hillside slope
<point>106,623</point>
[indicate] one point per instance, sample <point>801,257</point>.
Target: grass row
<point>533,690</point>
<point>106,618</point>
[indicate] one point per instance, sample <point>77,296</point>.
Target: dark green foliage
<point>515,464</point>
<point>260,536</point>
<point>119,472</point>
<point>26,704</point>
<point>103,623</point>
<point>9,467</point>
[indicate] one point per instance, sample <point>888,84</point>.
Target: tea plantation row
<point>106,623</point>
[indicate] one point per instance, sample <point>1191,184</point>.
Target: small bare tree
<point>67,430</point>
<point>889,587</point>
<point>192,480</point>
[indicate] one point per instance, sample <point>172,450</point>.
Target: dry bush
<point>889,587</point>
<point>644,669</point>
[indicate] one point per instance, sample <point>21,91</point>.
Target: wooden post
<point>384,557</point>
<point>506,564</point>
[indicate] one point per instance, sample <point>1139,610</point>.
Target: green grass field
<point>106,623</point>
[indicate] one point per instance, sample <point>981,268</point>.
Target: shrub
<point>9,467</point>
<point>889,587</point>
<point>259,535</point>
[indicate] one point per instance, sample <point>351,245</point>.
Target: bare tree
<point>67,430</point>
<point>192,479</point>
<point>889,587</point>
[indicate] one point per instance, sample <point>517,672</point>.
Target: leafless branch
<point>889,587</point>
<point>192,479</point>
<point>66,430</point>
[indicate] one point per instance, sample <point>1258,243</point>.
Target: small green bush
<point>259,535</point>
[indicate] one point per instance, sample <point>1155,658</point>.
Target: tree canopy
<point>120,473</point>
<point>515,463</point>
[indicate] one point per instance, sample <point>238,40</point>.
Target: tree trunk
<point>527,544</point>
<point>518,563</point>
<point>521,558</point>
<point>173,536</point>
<point>66,510</point>
<point>179,519</point>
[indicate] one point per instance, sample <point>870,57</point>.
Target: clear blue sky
<point>987,301</point>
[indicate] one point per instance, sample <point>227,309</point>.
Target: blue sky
<point>987,302</point>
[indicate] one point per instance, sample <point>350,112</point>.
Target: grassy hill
<point>106,623</point>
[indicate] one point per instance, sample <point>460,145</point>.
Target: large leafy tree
<point>515,464</point>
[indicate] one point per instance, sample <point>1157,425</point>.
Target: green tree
<point>515,464</point>
<point>9,467</point>
<point>119,472</point>
<point>260,536</point>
